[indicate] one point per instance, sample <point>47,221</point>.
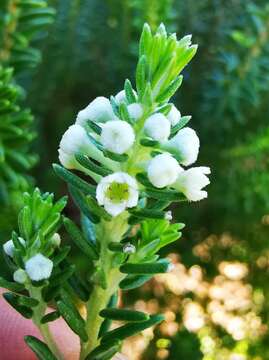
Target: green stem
<point>107,232</point>
<point>39,312</point>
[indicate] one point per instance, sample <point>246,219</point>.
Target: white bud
<point>129,248</point>
<point>185,144</point>
<point>120,97</point>
<point>20,276</point>
<point>168,215</point>
<point>39,267</point>
<point>135,111</point>
<point>171,267</point>
<point>67,160</point>
<point>99,110</point>
<point>56,240</point>
<point>192,181</point>
<point>117,136</point>
<point>117,192</point>
<point>158,127</point>
<point>163,170</point>
<point>174,115</point>
<point>9,246</point>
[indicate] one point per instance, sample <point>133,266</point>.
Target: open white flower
<point>117,192</point>
<point>20,276</point>
<point>185,144</point>
<point>135,110</point>
<point>158,127</point>
<point>39,267</point>
<point>117,136</point>
<point>99,110</point>
<point>163,170</point>
<point>192,181</point>
<point>9,246</point>
<point>174,115</point>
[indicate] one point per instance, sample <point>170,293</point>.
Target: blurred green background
<point>88,51</point>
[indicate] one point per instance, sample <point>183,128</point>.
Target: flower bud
<point>168,215</point>
<point>185,145</point>
<point>117,192</point>
<point>192,181</point>
<point>20,276</point>
<point>117,136</point>
<point>135,111</point>
<point>99,110</point>
<point>157,127</point>
<point>163,170</point>
<point>39,267</point>
<point>56,240</point>
<point>174,115</point>
<point>129,248</point>
<point>9,246</point>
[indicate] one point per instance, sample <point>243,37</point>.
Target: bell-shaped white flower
<point>9,246</point>
<point>117,192</point>
<point>99,110</point>
<point>39,267</point>
<point>185,145</point>
<point>75,140</point>
<point>163,170</point>
<point>117,136</point>
<point>20,276</point>
<point>174,115</point>
<point>135,111</point>
<point>158,127</point>
<point>191,182</point>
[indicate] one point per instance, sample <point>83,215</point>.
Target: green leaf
<point>73,319</point>
<point>97,210</point>
<point>12,286</point>
<point>81,202</point>
<point>148,213</point>
<point>145,40</point>
<point>12,299</point>
<point>170,90</point>
<point>90,165</point>
<point>63,276</point>
<point>104,351</point>
<point>182,122</point>
<point>95,127</point>
<point>134,281</point>
<point>161,266</point>
<point>141,77</point>
<point>39,348</point>
<point>61,255</point>
<point>50,317</point>
<point>25,222</point>
<point>129,92</point>
<point>77,236</point>
<point>124,315</point>
<point>148,142</point>
<point>127,330</point>
<point>74,180</point>
<point>27,301</point>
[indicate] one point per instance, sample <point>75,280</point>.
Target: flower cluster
<point>149,142</point>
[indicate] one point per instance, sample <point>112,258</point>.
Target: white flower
<point>117,192</point>
<point>20,276</point>
<point>99,110</point>
<point>192,181</point>
<point>185,144</point>
<point>76,140</point>
<point>135,111</point>
<point>163,170</point>
<point>157,126</point>
<point>117,136</point>
<point>174,115</point>
<point>38,267</point>
<point>9,246</point>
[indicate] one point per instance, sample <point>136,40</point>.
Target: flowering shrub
<point>135,150</point>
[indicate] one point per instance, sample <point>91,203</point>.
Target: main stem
<point>106,232</point>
